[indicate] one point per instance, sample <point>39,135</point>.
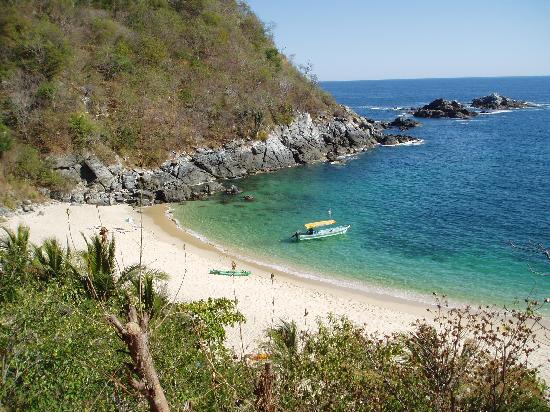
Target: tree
<point>135,333</point>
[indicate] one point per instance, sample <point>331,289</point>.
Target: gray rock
<point>233,190</point>
<point>5,212</point>
<point>100,199</point>
<point>220,164</point>
<point>190,174</point>
<point>78,197</point>
<point>60,196</point>
<point>304,140</point>
<point>444,108</point>
<point>100,171</point>
<point>397,139</point>
<point>497,102</point>
<point>401,123</point>
<point>65,161</point>
<point>129,180</point>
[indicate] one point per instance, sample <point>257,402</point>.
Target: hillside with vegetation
<point>139,79</point>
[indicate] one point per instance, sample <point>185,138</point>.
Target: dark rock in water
<point>497,102</point>
<point>444,108</point>
<point>233,190</point>
<point>398,139</point>
<point>401,123</point>
<point>248,198</point>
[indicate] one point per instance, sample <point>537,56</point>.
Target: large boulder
<point>272,154</point>
<point>100,171</point>
<point>219,163</point>
<point>401,123</point>
<point>497,102</point>
<point>303,139</point>
<point>444,108</point>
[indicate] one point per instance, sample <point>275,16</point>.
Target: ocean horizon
<point>439,217</point>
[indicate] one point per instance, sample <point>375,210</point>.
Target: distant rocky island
<point>401,123</point>
<point>497,102</point>
<point>442,108</point>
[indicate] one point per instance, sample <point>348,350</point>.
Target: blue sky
<point>391,39</point>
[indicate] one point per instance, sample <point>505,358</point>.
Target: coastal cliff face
<point>141,80</point>
<point>189,176</point>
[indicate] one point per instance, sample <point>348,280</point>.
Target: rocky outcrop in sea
<point>399,140</point>
<point>401,123</point>
<point>194,175</point>
<point>444,108</point>
<point>497,102</point>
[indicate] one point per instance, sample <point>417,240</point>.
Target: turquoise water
<point>432,218</point>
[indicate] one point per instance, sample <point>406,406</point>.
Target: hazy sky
<point>389,39</point>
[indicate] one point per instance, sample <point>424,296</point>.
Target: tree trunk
<point>135,335</point>
<point>264,390</point>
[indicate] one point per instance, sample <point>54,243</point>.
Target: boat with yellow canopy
<point>318,230</point>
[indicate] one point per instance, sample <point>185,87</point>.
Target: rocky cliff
<point>193,175</point>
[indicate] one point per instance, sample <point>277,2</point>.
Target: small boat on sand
<point>314,233</point>
<point>230,272</point>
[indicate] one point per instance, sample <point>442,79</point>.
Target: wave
<point>410,143</point>
<point>495,112</point>
<point>392,109</point>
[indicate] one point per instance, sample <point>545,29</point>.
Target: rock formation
<point>497,102</point>
<point>398,139</point>
<point>401,123</point>
<point>191,176</point>
<point>444,108</point>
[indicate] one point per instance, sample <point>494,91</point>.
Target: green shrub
<point>30,166</point>
<point>262,135</point>
<point>46,92</point>
<point>41,48</point>
<point>116,59</point>
<point>14,261</point>
<point>81,128</point>
<point>60,354</point>
<point>124,138</point>
<point>274,57</point>
<point>185,95</point>
<point>151,50</point>
<point>192,7</point>
<point>105,29</point>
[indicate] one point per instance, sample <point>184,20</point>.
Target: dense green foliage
<point>59,352</point>
<point>141,78</point>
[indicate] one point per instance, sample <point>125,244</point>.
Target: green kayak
<point>230,272</point>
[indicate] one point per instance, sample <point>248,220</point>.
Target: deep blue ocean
<point>437,217</point>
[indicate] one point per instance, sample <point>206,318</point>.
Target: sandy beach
<point>188,260</point>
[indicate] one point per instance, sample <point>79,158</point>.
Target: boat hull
<point>320,234</point>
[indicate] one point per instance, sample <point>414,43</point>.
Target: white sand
<point>188,261</point>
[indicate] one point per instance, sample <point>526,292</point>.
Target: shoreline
<point>161,216</point>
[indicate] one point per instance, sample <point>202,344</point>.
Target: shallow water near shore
<point>431,218</point>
